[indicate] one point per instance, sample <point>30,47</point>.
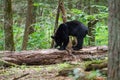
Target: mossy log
<point>52,56</point>
<point>95,66</point>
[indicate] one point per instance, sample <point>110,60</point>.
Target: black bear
<point>71,28</point>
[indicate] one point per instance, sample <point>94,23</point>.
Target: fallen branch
<point>6,64</point>
<point>21,76</point>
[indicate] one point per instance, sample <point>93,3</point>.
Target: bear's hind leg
<point>79,44</point>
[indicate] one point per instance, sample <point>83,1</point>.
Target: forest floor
<point>54,71</point>
<point>46,72</point>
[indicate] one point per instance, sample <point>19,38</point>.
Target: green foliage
<point>18,35</point>
<point>93,75</point>
<point>79,15</point>
<point>101,34</point>
<point>94,62</point>
<point>83,17</point>
<point>100,8</point>
<point>64,65</point>
<point>1,40</point>
<point>46,12</point>
<point>41,37</point>
<point>41,5</point>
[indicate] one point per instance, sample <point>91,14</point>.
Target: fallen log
<point>52,56</point>
<point>95,66</point>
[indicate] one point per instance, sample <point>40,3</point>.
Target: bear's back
<point>76,27</point>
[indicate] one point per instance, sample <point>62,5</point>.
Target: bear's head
<point>57,41</point>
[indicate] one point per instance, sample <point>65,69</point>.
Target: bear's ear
<point>52,37</point>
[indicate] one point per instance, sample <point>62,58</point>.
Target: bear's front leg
<point>62,48</point>
<point>64,45</point>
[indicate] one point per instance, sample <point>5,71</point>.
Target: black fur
<point>71,28</point>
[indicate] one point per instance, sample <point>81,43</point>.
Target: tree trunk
<point>29,21</point>
<point>56,22</point>
<point>62,8</point>
<point>8,22</point>
<point>114,40</point>
<point>34,13</point>
<point>91,32</point>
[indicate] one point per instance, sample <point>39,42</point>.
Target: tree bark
<point>114,40</point>
<point>62,8</point>
<point>29,21</point>
<point>34,13</point>
<point>52,56</point>
<point>8,29</point>
<point>91,32</point>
